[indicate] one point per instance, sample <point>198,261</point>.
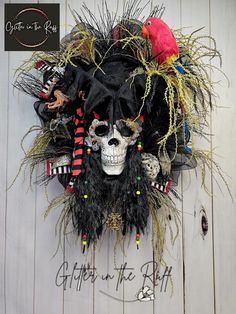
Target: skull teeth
<point>113,160</point>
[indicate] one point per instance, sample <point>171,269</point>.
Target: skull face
<point>113,142</point>
<point>151,165</point>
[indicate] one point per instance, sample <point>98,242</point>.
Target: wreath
<point>120,106</point>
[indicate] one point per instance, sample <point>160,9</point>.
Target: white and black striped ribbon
<point>58,170</point>
<point>161,187</point>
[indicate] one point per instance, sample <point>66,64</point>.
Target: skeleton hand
<point>61,99</point>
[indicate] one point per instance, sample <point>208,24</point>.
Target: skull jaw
<point>113,169</point>
<point>113,164</point>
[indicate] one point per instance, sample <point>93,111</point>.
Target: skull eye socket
<point>102,130</point>
<point>124,129</point>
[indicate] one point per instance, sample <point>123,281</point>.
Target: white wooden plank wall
<point>203,267</point>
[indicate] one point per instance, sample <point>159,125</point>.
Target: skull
<point>151,165</point>
<point>113,142</point>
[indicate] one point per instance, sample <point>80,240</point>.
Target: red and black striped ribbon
<point>78,143</point>
<point>78,147</point>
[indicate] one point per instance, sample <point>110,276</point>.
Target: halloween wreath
<point>119,107</point>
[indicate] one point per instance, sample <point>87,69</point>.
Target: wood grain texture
<point>223,27</point>
<point>46,265</point>
<point>4,65</point>
<point>20,204</point>
<point>19,267</point>
<point>197,249</point>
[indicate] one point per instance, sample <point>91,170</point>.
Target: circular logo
<point>34,22</point>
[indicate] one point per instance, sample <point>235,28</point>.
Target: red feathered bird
<point>164,46</point>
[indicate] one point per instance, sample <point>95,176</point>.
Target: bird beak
<point>145,32</point>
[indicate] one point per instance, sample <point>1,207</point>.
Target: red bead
<point>70,189</point>
<point>137,235</point>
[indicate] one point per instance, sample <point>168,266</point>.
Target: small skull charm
<point>151,165</point>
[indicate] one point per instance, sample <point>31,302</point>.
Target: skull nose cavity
<point>113,141</point>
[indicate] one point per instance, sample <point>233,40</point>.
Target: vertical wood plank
<point>223,27</point>
<point>20,205</point>
<point>198,250</point>
<point>19,269</point>
<point>4,65</point>
<point>48,297</point>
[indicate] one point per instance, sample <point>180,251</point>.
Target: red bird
<point>164,46</point>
